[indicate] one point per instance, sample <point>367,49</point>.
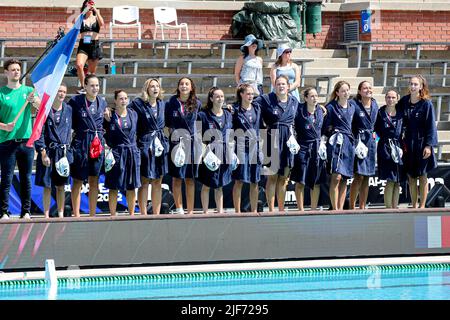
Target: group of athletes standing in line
<point>150,137</point>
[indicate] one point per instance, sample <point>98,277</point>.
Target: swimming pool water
<point>360,283</point>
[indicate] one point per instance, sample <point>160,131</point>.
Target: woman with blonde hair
<point>152,143</point>
<point>340,142</point>
<point>278,110</point>
<point>420,137</point>
<point>246,125</point>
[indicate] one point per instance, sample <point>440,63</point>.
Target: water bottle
<point>113,67</point>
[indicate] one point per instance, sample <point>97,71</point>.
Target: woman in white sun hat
<point>284,66</point>
<point>249,66</point>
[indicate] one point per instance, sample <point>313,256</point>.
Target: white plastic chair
<point>125,17</point>
<point>166,17</point>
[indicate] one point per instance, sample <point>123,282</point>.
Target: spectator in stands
<point>17,103</point>
<point>152,143</point>
<point>310,163</point>
<point>389,153</point>
<point>87,144</point>
<point>278,110</point>
<point>52,147</point>
<point>122,173</point>
<point>89,49</point>
<point>363,130</point>
<point>340,142</point>
<point>215,169</point>
<point>185,145</point>
<point>246,123</point>
<point>420,137</point>
<point>284,66</point>
<point>249,66</point>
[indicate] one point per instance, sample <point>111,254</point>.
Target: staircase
<point>330,61</point>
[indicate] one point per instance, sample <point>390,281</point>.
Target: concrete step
<point>343,72</point>
<point>328,62</point>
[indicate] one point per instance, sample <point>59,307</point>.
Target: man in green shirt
<point>15,130</point>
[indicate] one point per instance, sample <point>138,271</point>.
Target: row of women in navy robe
<point>133,147</point>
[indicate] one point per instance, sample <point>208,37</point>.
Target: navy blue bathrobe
<point>124,175</point>
<point>218,142</point>
<point>308,169</point>
<point>247,144</point>
<point>389,129</point>
<point>420,131</point>
<point>282,120</point>
<point>364,128</point>
<point>148,128</point>
<point>53,139</point>
<point>183,125</point>
<point>340,157</point>
<point>86,126</point>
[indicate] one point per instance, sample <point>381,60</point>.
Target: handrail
<point>406,44</point>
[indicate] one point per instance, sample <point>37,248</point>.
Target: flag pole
<point>23,108</point>
<point>58,37</point>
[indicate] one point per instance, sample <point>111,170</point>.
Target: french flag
<point>48,75</point>
<point>432,231</point>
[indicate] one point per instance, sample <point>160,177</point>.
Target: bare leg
<point>254,197</point>
<point>60,200</point>
<point>92,66</point>
<point>218,196</point>
<point>413,191</point>
<point>396,195</point>
<point>80,62</point>
<point>93,195</point>
<point>388,194</point>
<point>299,194</point>
<point>363,194</point>
<point>270,191</point>
<point>354,190</point>
<point>334,190</point>
<point>190,195</point>
<point>113,201</point>
<point>131,201</point>
<point>177,195</point>
<point>204,195</point>
<point>423,188</point>
<point>46,202</point>
<point>281,191</point>
<point>76,196</point>
<point>237,190</point>
<point>342,193</point>
<point>143,196</point>
<point>156,195</point>
<point>315,193</point>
